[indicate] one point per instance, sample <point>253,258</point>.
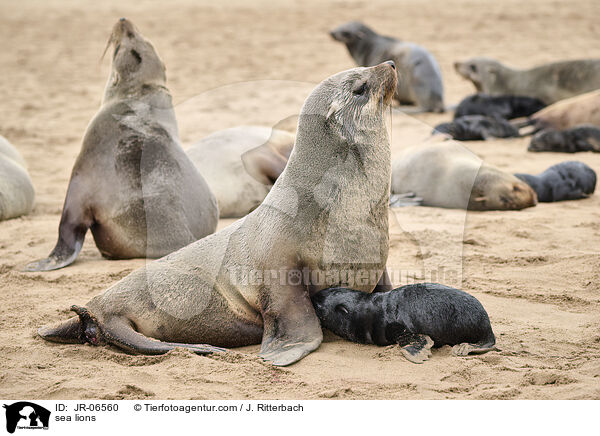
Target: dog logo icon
<point>26,415</point>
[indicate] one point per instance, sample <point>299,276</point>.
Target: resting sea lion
<point>503,106</point>
<point>446,174</point>
<point>416,317</point>
<point>419,76</point>
<point>241,164</point>
<point>549,83</point>
<point>572,112</point>
<point>564,181</point>
<point>582,138</point>
<point>132,183</point>
<point>477,127</point>
<point>324,223</point>
<point>16,190</point>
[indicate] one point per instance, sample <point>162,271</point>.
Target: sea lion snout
<point>391,64</point>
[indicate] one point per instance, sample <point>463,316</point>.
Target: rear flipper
<point>465,348</point>
<point>406,199</point>
<point>416,347</point>
<point>87,329</point>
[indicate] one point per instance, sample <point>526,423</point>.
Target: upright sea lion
<point>446,174</point>
<point>419,75</point>
<point>132,183</point>
<point>581,138</point>
<point>416,317</point>
<point>324,223</point>
<point>477,127</point>
<point>502,106</point>
<point>572,112</point>
<point>16,190</point>
<point>241,164</point>
<point>549,83</point>
<point>570,180</point>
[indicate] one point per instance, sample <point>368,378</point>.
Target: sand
<point>536,271</point>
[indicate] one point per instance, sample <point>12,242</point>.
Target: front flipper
<point>74,223</point>
<point>418,348</point>
<point>291,327</point>
<point>465,348</point>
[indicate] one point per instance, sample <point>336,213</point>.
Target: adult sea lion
<point>416,317</point>
<point>324,223</point>
<point>565,114</point>
<point>419,75</point>
<point>241,164</point>
<point>550,82</point>
<point>569,180</point>
<point>132,184</point>
<point>502,106</point>
<point>477,127</point>
<point>16,190</point>
<point>446,174</point>
<point>581,138</point>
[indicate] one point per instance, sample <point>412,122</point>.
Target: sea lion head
<point>349,106</point>
<point>496,190</point>
<point>340,310</point>
<point>547,140</point>
<point>135,62</point>
<point>482,72</point>
<point>351,32</point>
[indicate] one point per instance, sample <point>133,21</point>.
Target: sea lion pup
<point>16,190</point>
<point>582,138</point>
<point>446,174</point>
<point>549,83</point>
<point>241,164</point>
<point>477,127</point>
<point>132,183</point>
<point>565,114</point>
<point>416,317</point>
<point>502,106</point>
<point>324,223</point>
<point>419,75</point>
<point>569,180</point>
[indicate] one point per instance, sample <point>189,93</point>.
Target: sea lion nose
<point>122,19</point>
<point>391,64</point>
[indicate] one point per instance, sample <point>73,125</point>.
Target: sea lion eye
<point>340,308</point>
<point>360,89</point>
<point>473,68</point>
<point>137,56</point>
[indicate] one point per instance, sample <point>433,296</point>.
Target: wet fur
<point>477,127</point>
<point>582,138</point>
<point>502,106</point>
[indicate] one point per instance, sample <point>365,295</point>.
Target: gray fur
<point>503,106</point>
<point>581,138</point>
<point>477,127</point>
<point>570,180</point>
<point>327,213</point>
<point>549,83</point>
<point>132,183</point>
<point>419,75</point>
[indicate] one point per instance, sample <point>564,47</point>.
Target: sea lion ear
<point>332,109</point>
<point>361,34</point>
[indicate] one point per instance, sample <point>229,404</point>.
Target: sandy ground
<point>536,271</point>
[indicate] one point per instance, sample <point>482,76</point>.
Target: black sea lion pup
<point>477,127</point>
<point>132,184</point>
<point>581,138</point>
<point>502,106</point>
<point>324,223</point>
<point>570,180</point>
<point>419,75</point>
<point>416,317</point>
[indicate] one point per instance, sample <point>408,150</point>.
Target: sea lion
<point>132,183</point>
<point>582,138</point>
<point>569,180</point>
<point>416,317</point>
<point>241,164</point>
<point>550,83</point>
<point>477,127</point>
<point>572,112</point>
<point>16,190</point>
<point>324,223</point>
<point>446,174</point>
<point>502,106</point>
<point>419,75</point>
